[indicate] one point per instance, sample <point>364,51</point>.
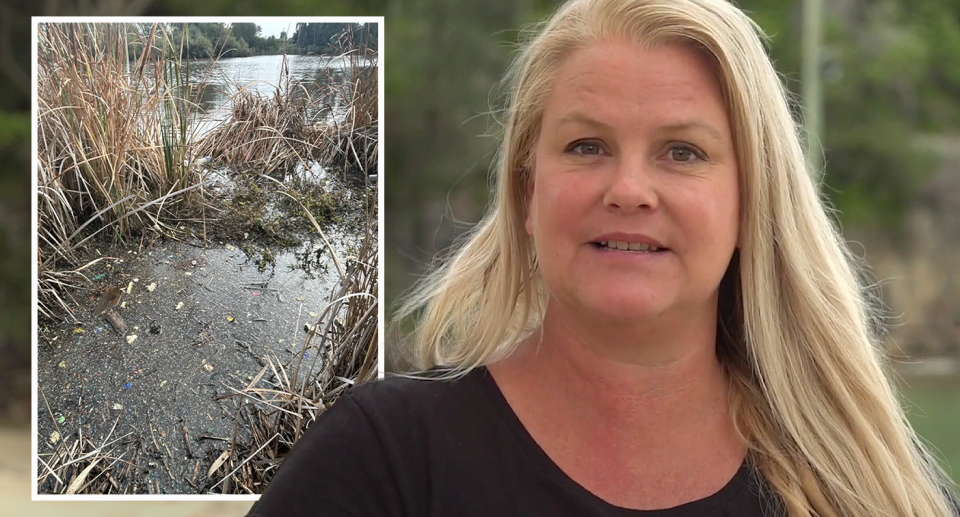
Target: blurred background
<point>889,90</point>
<point>887,83</point>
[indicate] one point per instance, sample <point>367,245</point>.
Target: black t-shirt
<point>417,448</point>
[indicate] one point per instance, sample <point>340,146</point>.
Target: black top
<point>403,447</point>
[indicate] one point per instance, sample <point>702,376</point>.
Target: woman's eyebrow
<point>676,127</point>
<point>693,125</point>
<point>580,118</point>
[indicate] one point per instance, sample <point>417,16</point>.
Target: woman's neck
<point>657,380</point>
<point>649,432</point>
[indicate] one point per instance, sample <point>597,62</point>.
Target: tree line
<point>216,40</point>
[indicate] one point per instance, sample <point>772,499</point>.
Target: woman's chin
<point>618,309</point>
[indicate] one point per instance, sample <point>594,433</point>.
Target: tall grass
<point>112,140</point>
<point>118,139</point>
<point>354,139</point>
<point>275,134</point>
<point>117,142</point>
<point>283,399</point>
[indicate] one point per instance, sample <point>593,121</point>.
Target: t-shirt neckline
<point>737,484</point>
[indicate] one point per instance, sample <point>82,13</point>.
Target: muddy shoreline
<point>159,402</point>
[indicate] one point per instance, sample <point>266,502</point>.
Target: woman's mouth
<point>627,246</point>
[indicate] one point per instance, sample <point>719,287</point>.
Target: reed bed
<point>117,157</point>
<point>354,142</point>
<point>118,141</point>
<point>274,134</point>
<point>113,142</point>
<point>80,465</point>
<point>267,134</point>
<point>283,399</point>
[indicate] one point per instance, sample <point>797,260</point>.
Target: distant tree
<point>245,31</point>
<point>318,37</point>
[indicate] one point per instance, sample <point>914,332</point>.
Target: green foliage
<point>887,77</point>
<point>216,40</point>
<point>245,31</point>
<point>318,37</point>
<point>273,8</point>
<point>333,38</point>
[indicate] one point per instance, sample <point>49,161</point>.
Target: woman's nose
<point>631,186</point>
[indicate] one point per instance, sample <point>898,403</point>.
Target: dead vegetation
<point>119,150</point>
<point>282,400</point>
<point>119,158</point>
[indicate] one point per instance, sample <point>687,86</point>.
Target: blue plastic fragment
<point>127,385</point>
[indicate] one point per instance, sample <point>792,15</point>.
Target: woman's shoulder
<point>417,396</point>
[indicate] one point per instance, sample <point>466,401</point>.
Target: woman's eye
<point>684,154</point>
<point>585,148</point>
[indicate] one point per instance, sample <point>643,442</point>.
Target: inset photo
<point>207,246</point>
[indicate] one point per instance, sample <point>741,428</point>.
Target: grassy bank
<point>934,411</point>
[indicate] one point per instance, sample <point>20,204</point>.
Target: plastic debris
<point>131,338</point>
<point>54,437</point>
<point>127,385</point>
<point>117,406</point>
<point>151,287</point>
<point>179,306</point>
<point>61,419</point>
<point>78,331</point>
<point>129,287</point>
<point>230,248</point>
<point>62,364</point>
<point>162,383</point>
<point>230,319</point>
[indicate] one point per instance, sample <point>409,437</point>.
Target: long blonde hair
<point>811,393</point>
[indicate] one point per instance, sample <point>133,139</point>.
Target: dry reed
<point>113,140</point>
<point>283,399</point>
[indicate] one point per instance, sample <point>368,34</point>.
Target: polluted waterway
<point>151,384</point>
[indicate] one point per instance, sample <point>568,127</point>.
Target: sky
<point>268,29</point>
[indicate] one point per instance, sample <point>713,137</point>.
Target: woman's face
<point>634,203</point>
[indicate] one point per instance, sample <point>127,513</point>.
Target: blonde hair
<point>811,395</point>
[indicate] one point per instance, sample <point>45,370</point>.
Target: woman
<point>656,314</point>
